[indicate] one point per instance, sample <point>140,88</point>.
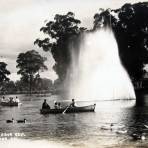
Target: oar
<point>65,110</point>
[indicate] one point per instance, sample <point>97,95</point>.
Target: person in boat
<point>17,99</point>
<point>73,104</point>
<point>59,105</point>
<point>3,99</point>
<point>45,105</point>
<point>55,105</point>
<point>11,100</point>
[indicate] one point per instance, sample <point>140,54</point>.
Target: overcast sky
<point>20,21</point>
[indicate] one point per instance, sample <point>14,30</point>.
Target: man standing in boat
<point>45,105</point>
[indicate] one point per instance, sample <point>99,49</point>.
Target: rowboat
<point>89,108</point>
<point>4,103</point>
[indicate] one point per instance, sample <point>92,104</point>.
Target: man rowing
<point>45,105</point>
<point>73,104</point>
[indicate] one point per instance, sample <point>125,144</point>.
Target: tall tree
<point>130,26</point>
<point>3,72</point>
<point>9,87</point>
<point>29,64</point>
<point>60,32</point>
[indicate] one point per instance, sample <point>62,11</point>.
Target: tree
<point>29,64</point>
<point>9,87</point>
<point>43,84</point>
<point>3,72</point>
<point>3,75</point>
<point>63,30</point>
<point>130,26</point>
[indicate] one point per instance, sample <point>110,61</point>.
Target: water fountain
<point>96,72</point>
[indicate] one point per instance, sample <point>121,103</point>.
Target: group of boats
<point>68,109</point>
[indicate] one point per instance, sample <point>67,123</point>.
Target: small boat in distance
<point>4,103</point>
<point>10,101</point>
<point>76,109</point>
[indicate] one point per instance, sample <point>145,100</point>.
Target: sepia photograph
<point>74,73</point>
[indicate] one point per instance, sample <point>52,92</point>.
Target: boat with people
<point>4,103</point>
<point>10,102</point>
<point>68,109</point>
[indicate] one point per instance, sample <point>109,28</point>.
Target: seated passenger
<point>45,105</point>
<point>3,99</point>
<point>56,105</point>
<point>17,99</point>
<point>59,105</point>
<point>73,104</point>
<point>11,100</point>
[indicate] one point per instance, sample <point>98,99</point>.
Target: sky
<point>21,20</point>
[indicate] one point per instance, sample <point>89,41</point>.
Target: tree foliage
<point>130,26</point>
<point>3,72</point>
<point>39,85</point>
<point>60,32</point>
<point>29,64</point>
<point>8,86</point>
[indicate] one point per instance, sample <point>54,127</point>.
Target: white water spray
<point>96,72</point>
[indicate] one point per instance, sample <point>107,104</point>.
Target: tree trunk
<point>140,97</point>
<point>30,84</point>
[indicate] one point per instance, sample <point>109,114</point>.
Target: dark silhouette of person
<point>45,105</point>
<point>73,104</point>
<point>59,105</point>
<point>3,98</point>
<point>11,100</point>
<point>56,105</point>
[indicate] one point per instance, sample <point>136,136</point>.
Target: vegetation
<point>3,74</point>
<point>63,30</point>
<point>29,64</point>
<point>19,87</point>
<point>130,26</point>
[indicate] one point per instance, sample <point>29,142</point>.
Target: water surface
<point>79,129</point>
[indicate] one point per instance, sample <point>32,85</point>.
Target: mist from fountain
<point>96,72</point>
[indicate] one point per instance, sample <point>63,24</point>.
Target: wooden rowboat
<point>89,108</point>
<point>4,103</point>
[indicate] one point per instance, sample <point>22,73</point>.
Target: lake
<point>76,129</point>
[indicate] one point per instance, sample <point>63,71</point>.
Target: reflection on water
<point>79,130</point>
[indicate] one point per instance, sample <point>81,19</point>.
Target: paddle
<point>65,109</point>
<point>73,103</point>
